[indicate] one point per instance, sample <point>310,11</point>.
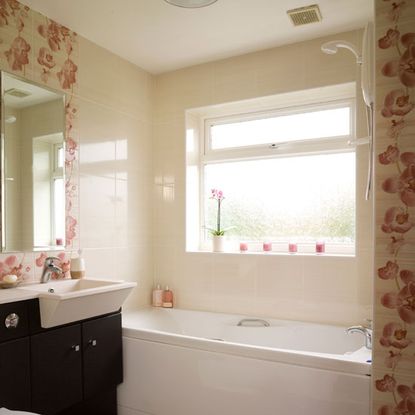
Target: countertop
<point>11,295</point>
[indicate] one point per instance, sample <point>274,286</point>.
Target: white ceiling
<point>159,37</point>
<point>37,94</point>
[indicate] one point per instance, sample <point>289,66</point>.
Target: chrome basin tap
<point>366,331</point>
<point>49,268</point>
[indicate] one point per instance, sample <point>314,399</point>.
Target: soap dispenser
<point>78,267</point>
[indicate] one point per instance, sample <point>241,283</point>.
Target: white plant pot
<point>218,243</point>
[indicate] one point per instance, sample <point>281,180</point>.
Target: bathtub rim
<point>354,363</point>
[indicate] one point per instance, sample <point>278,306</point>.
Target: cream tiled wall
<point>110,182</point>
<point>115,168</point>
<point>326,289</point>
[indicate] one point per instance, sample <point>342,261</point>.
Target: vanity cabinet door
<point>15,374</point>
<point>56,369</point>
<point>102,354</point>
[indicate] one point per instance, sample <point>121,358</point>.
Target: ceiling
<point>159,37</point>
<point>36,95</point>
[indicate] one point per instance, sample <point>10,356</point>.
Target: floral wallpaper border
<point>44,51</point>
<point>394,363</point>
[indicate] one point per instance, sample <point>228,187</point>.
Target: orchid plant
<point>217,195</point>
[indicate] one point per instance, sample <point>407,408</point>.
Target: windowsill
<point>275,253</point>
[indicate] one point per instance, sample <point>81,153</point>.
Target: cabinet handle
<point>76,348</point>
<point>93,343</point>
<point>11,321</point>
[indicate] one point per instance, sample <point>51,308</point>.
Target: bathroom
<point>138,87</point>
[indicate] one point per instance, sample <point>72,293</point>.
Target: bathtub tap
<point>366,331</point>
<point>253,322</point>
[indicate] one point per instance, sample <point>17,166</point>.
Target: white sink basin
<point>63,302</point>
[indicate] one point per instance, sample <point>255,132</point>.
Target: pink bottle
<point>167,298</point>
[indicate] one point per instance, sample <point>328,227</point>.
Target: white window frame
<point>326,145</point>
<point>57,173</point>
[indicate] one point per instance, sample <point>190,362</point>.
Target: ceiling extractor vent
<point>305,15</point>
<point>18,93</point>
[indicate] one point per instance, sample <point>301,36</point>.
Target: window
<point>288,174</point>
<point>58,192</point>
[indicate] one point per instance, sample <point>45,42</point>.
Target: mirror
<point>32,166</point>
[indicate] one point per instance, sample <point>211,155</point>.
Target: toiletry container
<point>157,296</point>
<point>167,298</point>
<point>78,267</point>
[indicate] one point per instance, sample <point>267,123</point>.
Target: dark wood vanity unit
<point>67,370</point>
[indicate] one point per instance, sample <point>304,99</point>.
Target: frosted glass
<point>287,128</point>
<point>301,198</point>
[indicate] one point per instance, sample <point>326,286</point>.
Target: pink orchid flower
<point>45,58</point>
<point>390,39</point>
<point>407,404</point>
<point>389,271</point>
<point>389,156</point>
<point>404,300</point>
<point>397,102</point>
<point>396,220</point>
<point>18,54</point>
<point>70,229</point>
<point>405,183</point>
<point>11,260</point>
<point>40,260</point>
<point>67,75</point>
<point>403,67</point>
<point>387,384</point>
<point>394,335</point>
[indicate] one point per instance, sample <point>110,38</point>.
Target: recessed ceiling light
<point>191,4</point>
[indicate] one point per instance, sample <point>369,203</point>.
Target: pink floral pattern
<point>70,159</point>
<point>11,265</point>
<point>398,334</point>
<point>397,220</point>
<point>13,13</point>
<point>58,40</point>
<point>404,182</point>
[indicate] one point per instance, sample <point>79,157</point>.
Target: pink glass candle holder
<point>243,246</point>
<point>320,247</point>
<point>267,246</point>
<point>292,247</point>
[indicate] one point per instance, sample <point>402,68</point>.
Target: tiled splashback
<point>394,346</point>
<point>108,146</point>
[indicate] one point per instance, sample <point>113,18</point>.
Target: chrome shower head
<point>332,47</point>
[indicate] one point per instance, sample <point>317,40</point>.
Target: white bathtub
<point>180,362</point>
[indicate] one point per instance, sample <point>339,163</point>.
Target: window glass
<point>59,207</point>
<point>302,198</point>
<point>284,128</point>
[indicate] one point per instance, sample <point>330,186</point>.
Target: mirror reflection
<point>33,161</point>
